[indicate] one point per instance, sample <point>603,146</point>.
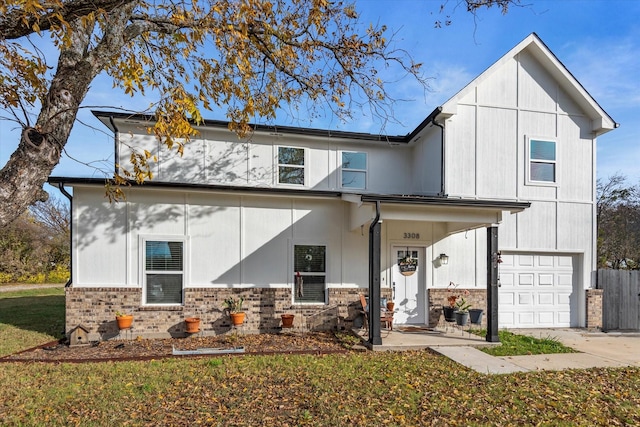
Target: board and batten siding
<point>218,157</point>
<point>233,240</point>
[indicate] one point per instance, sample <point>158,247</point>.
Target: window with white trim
<point>310,274</point>
<point>163,271</point>
<point>542,161</point>
<point>291,165</point>
<point>354,169</point>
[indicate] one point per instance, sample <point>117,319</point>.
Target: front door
<point>408,285</point>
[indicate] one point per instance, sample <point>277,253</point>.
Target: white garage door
<point>535,290</point>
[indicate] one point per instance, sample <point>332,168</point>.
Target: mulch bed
<point>146,349</point>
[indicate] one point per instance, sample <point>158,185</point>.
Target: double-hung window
<point>354,170</point>
<point>542,161</point>
<point>310,274</point>
<point>291,165</point>
<point>163,271</point>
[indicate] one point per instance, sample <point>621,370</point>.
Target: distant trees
<point>618,210</point>
<point>35,247</point>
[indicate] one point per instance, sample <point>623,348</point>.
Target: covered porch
<point>445,217</point>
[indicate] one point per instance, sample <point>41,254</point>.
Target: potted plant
<point>462,311</point>
<point>234,305</point>
<point>287,320</point>
<point>475,315</point>
<point>452,297</point>
<point>193,324</point>
<point>124,320</point>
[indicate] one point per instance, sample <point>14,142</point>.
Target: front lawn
<point>360,388</point>
<point>30,317</point>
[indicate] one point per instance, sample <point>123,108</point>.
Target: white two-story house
<point>503,171</point>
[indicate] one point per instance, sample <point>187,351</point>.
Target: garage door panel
<point>507,280</point>
<point>506,298</point>
<point>545,280</point>
<point>564,317</point>
<point>566,262</point>
<point>526,318</point>
<point>546,298</point>
<point>546,318</point>
<point>525,280</point>
<point>563,298</point>
<point>565,280</point>
<point>536,290</point>
<point>524,260</point>
<point>545,261</point>
<point>524,298</point>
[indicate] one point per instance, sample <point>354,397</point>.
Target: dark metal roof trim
<point>445,201</point>
<point>265,128</point>
<point>55,180</point>
<point>382,198</point>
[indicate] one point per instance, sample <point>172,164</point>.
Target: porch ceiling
<point>456,214</point>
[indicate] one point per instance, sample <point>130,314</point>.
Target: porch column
<point>374,279</point>
<point>492,284</point>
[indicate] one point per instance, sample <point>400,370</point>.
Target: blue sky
<point>598,41</point>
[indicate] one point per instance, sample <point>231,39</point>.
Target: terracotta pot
<point>193,324</point>
<point>390,306</point>
<point>124,321</point>
<point>237,318</point>
<point>287,320</point>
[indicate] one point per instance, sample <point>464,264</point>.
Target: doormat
<point>418,329</point>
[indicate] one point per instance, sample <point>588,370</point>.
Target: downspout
<point>374,279</point>
<point>442,158</point>
<point>116,150</point>
<point>68,196</point>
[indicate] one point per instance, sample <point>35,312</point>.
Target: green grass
<point>523,345</point>
<point>30,317</point>
<point>360,389</point>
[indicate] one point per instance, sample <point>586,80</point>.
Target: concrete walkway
<point>597,350</point>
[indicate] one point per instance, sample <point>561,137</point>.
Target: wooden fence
<point>621,299</point>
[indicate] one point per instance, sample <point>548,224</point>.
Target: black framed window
<point>163,271</point>
<point>310,274</point>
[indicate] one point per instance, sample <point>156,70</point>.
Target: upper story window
<point>163,271</point>
<point>354,169</point>
<point>542,161</point>
<point>291,165</point>
<point>309,281</point>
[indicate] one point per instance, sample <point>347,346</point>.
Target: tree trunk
<point>40,148</point>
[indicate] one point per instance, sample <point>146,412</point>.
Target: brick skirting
<point>95,308</point>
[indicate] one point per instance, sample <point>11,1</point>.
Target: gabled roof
<point>602,122</point>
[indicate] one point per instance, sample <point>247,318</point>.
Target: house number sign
<point>411,236</point>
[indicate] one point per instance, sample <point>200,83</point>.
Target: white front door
<point>408,285</point>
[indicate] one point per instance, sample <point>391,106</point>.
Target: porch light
<point>444,259</point>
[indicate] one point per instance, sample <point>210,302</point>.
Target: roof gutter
<point>68,196</point>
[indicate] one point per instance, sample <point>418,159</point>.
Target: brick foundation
<point>594,308</point>
<point>438,297</point>
<point>95,308</point>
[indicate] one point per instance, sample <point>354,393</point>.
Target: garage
<point>535,290</point>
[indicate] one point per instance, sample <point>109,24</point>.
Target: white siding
<point>235,240</point>
<point>99,240</point>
